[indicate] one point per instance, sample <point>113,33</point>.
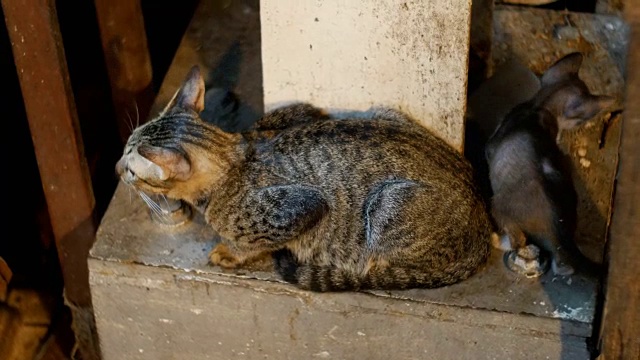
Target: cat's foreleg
<point>229,258</point>
<point>270,217</point>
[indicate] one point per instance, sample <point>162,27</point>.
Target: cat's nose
<point>120,166</point>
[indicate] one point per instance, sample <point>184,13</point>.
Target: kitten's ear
<point>191,93</point>
<point>586,108</point>
<point>563,68</point>
<point>222,107</point>
<point>172,164</point>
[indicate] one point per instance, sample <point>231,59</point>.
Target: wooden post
<point>124,43</point>
<point>48,98</point>
<point>620,337</point>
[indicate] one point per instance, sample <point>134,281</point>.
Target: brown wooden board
<point>620,337</point>
<point>49,103</point>
<point>124,43</point>
<point>44,80</point>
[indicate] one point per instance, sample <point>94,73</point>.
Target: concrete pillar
<point>350,55</point>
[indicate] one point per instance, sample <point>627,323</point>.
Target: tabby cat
<point>376,203</point>
<point>534,200</point>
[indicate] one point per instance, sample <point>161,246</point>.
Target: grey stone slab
<point>146,312</point>
<point>127,235</point>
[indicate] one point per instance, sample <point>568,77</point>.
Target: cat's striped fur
<point>347,204</point>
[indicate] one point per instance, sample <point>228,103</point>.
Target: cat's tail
<point>328,278</point>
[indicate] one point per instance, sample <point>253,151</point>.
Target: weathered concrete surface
<point>147,312</point>
<point>133,253</point>
<point>411,55</point>
<point>128,235</point>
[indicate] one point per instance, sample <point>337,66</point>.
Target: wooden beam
<point>124,42</point>
<point>620,336</point>
<point>55,131</point>
<point>53,121</point>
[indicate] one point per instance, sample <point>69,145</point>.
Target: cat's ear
<point>191,93</point>
<point>171,163</point>
<point>563,68</point>
<point>584,108</point>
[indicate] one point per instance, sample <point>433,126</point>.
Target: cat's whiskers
<point>137,114</point>
<point>129,187</point>
<point>160,213</point>
<point>166,202</point>
<point>153,204</point>
<point>130,124</point>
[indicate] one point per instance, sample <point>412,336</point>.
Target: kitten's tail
<point>328,278</point>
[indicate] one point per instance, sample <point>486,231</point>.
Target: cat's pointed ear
<point>171,163</point>
<point>584,108</point>
<point>563,68</point>
<point>191,93</point>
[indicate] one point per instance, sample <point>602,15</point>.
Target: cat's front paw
<point>222,256</point>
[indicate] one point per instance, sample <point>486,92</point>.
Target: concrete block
<point>155,297</point>
<point>411,55</point>
<point>147,312</point>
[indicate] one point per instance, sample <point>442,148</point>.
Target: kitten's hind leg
<point>514,234</point>
<point>523,259</point>
<point>560,263</point>
<point>501,242</point>
<point>527,261</point>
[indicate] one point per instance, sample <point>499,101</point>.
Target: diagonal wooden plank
<point>48,98</point>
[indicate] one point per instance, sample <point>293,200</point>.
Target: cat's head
<point>566,96</point>
<point>177,153</point>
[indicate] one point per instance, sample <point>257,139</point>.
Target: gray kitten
<point>348,204</point>
<point>534,199</point>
